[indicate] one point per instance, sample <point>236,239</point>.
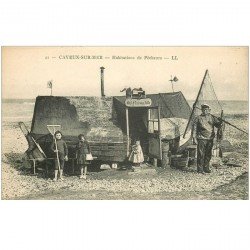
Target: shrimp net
<point>207,96</point>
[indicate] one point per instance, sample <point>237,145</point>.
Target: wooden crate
<point>179,161</point>
<point>192,150</point>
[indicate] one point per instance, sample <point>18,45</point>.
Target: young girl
<point>62,154</point>
<point>82,148</point>
<point>136,155</point>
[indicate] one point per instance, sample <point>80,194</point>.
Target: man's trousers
<point>204,154</point>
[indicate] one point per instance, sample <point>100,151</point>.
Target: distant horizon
<point>4,99</point>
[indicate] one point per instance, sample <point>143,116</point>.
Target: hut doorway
<point>143,123</point>
<point>138,127</point>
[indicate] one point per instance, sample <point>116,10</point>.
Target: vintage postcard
<point>130,123</point>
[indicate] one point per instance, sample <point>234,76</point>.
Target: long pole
<point>228,123</point>
<point>233,126</point>
<point>194,106</point>
<point>159,130</point>
<point>127,127</point>
<point>57,156</point>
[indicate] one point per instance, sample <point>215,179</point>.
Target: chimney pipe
<point>102,81</point>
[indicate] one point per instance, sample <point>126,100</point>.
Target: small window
<point>153,123</point>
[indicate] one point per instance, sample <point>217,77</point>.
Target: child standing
<point>136,155</point>
<point>82,148</point>
<point>62,150</point>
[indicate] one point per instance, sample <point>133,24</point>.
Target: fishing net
<point>207,96</point>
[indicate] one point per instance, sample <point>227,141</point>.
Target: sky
<point>26,70</point>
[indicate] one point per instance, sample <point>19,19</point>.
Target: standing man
<point>203,135</point>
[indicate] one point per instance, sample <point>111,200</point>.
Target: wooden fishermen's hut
<point>110,124</point>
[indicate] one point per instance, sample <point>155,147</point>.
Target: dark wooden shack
<point>109,124</point>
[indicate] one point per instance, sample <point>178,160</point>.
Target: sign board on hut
<point>146,102</point>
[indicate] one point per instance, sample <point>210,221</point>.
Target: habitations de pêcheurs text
<point>100,57</point>
<point>137,58</point>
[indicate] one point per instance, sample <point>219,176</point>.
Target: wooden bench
<point>34,163</point>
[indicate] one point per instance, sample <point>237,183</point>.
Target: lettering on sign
<point>138,102</point>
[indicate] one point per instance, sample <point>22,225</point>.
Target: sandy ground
<point>146,183</point>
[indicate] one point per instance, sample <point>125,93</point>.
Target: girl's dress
<point>136,155</point>
<point>82,148</point>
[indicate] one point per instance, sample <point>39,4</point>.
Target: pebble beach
<point>146,183</point>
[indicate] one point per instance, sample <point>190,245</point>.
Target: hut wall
<point>91,116</point>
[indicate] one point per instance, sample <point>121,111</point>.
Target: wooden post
<point>127,126</point>
<point>149,117</point>
<point>187,160</point>
<point>159,131</point>
<point>165,155</point>
<point>155,162</point>
<point>47,169</point>
<point>34,166</point>
<point>73,165</point>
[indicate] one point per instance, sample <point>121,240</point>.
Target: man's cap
<point>203,106</point>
